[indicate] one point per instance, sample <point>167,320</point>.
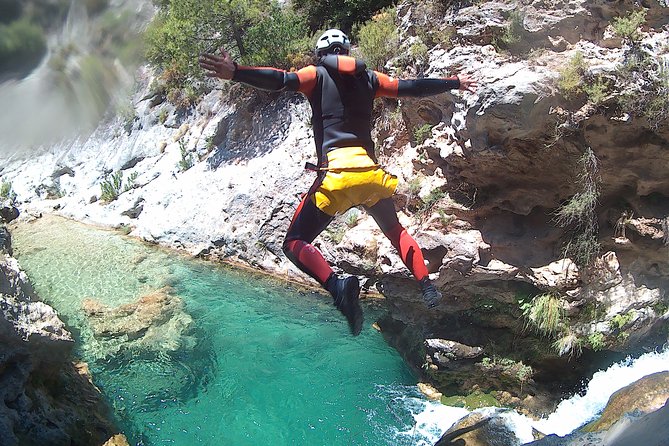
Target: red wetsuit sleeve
<point>273,79</point>
<point>393,88</point>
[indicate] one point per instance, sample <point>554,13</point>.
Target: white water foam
<point>580,409</point>
<point>432,419</point>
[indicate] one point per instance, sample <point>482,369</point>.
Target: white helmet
<point>332,39</point>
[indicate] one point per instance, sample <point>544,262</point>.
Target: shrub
<point>352,217</point>
<point>186,161</point>
<point>279,39</point>
<point>596,341</point>
<point>253,31</point>
<point>645,84</point>
<point>422,133</point>
<point>570,80</point>
<point>579,212</point>
<point>338,13</point>
<point>619,321</point>
<point>545,313</point>
<point>514,30</point>
<point>568,344</point>
<point>6,192</point>
<point>131,182</point>
<point>378,39</point>
<point>430,200</point>
<point>598,91</point>
<point>111,187</point>
<point>627,28</point>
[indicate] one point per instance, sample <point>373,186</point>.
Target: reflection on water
<point>267,364</point>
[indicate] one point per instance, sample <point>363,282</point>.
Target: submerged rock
<point>155,322</point>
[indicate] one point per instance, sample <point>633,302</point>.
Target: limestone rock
<point>448,354</point>
<point>480,428</point>
<point>45,399</point>
<point>645,395</point>
<point>155,322</point>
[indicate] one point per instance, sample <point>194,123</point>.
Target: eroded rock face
<point>45,398</point>
<point>497,166</point>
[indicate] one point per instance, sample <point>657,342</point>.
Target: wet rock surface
<point>46,398</point>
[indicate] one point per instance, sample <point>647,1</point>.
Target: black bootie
<point>431,295</point>
<point>346,291</point>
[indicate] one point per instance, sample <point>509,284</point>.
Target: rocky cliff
<point>46,398</point>
<point>541,202</point>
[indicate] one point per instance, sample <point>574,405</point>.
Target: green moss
<point>474,400</point>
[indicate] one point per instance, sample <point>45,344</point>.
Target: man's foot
<point>345,292</point>
<point>431,294</point>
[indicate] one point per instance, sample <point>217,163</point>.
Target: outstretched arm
<point>390,87</point>
<point>265,78</point>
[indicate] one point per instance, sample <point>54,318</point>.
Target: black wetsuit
<point>341,91</point>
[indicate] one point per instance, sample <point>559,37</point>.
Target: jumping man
<point>341,91</point>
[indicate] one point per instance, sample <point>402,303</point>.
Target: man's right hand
<point>221,66</point>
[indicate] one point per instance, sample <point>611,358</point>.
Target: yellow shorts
<point>352,179</point>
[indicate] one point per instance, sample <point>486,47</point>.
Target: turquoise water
<point>260,362</point>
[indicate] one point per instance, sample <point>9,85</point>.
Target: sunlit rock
<point>155,322</point>
<point>643,396</point>
<point>486,428</point>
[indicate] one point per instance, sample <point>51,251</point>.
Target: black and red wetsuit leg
<point>308,222</point>
<point>385,216</point>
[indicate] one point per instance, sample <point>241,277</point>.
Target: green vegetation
<point>597,91</point>
<point>351,217</point>
<point>422,133</point>
<point>570,82</point>
<point>342,14</point>
<point>627,28</point>
<point>473,401</point>
<point>545,313</point>
<point>596,341</point>
<point>414,186</point>
<point>620,321</point>
<point>186,161</point>
<point>111,187</point>
<point>568,344</point>
<point>516,370</point>
<point>280,39</point>
<point>131,182</point>
<point>378,39</point>
<point>6,191</point>
<point>646,87</point>
<point>579,212</point>
<point>512,34</point>
<point>430,200</point>
<point>22,44</point>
